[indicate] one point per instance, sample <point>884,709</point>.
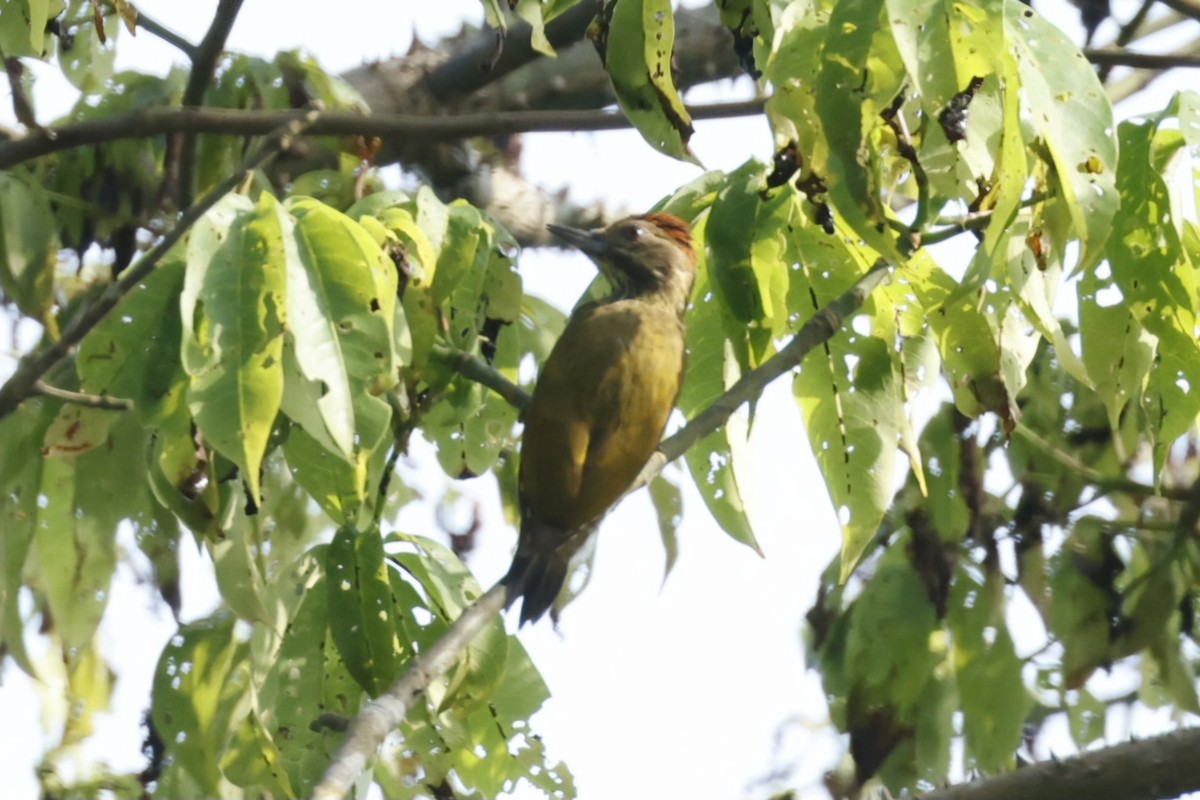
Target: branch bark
<point>1149,769</point>
<point>156,121</point>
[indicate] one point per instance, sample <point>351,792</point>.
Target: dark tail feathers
<point>538,570</point>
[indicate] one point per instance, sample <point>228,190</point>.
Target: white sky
<point>659,691</point>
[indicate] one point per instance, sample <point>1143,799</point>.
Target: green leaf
<point>1087,719</point>
<point>360,601</point>
<point>991,691</point>
<point>233,322</point>
<point>239,570</point>
<point>712,367</point>
<point>744,236</point>
<point>295,688</point>
<point>861,72</point>
<point>134,351</point>
<point>73,569</point>
<point>1069,112</point>
<point>21,468</point>
<point>338,486</point>
<point>1151,267</point>
<point>28,247</point>
<point>640,45</point>
<point>451,588</point>
<point>1082,602</point>
<point>201,681</point>
<point>532,12</point>
<point>23,25</point>
<point>668,505</point>
<point>966,338</point>
<point>341,305</point>
<point>848,391</point>
<point>86,61</point>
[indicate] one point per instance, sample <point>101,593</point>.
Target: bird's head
<point>649,256</point>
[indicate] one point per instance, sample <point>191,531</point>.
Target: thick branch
<point>476,65</point>
<point>34,366</point>
<point>234,122</point>
<point>1150,769</point>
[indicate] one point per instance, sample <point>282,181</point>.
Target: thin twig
<point>82,399</point>
<point>1105,483</point>
<point>1127,33</point>
<point>155,28</point>
<point>472,368</point>
<point>1154,61</point>
<point>34,366</point>
<point>155,121</point>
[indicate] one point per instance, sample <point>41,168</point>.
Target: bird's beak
<point>591,243</point>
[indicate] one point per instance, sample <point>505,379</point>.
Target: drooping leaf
<point>341,297</point>
<point>360,601</point>
<point>199,684</point>
<point>28,247</point>
<point>640,45</point>
<point>234,311</point>
<point>712,367</point>
<point>848,391</point>
<point>134,352</point>
<point>1070,113</point>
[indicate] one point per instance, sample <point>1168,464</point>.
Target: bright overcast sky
<point>675,690</point>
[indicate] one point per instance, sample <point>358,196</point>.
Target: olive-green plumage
<point>603,397</point>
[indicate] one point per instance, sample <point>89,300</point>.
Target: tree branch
<point>34,366</point>
<point>475,66</point>
<point>1154,61</point>
<point>381,716</point>
<point>234,122</point>
<point>204,63</point>
<point>169,36</point>
<point>819,329</point>
<point>1149,769</point>
<point>473,369</point>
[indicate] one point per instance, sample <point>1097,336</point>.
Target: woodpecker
<point>603,397</point>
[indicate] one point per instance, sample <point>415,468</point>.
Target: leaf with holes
<point>341,300</point>
<point>234,312</point>
<point>1070,113</point>
<point>360,600</point>
<point>848,393</point>
<point>640,45</point>
<point>712,367</point>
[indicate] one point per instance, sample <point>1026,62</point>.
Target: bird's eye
<point>632,233</point>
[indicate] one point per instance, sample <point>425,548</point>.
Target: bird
<point>602,398</point>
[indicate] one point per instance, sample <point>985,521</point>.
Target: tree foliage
<point>253,385</point>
